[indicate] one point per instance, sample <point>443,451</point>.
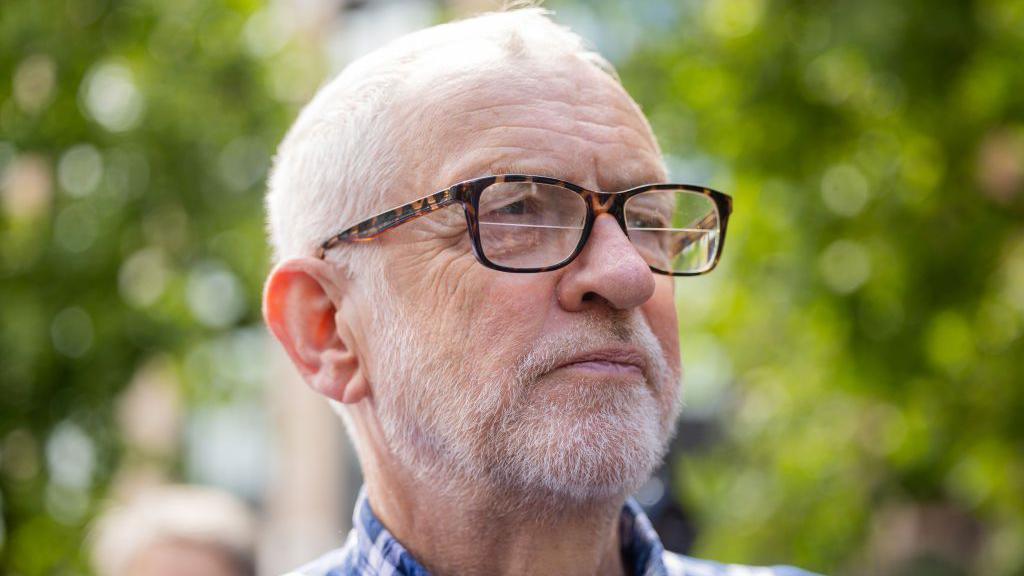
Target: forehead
<point>559,117</point>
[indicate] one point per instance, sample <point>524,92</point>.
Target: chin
<point>599,447</point>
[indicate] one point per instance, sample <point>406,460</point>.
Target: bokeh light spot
<point>34,83</point>
<point>215,295</point>
<point>70,456</point>
<point>143,277</point>
<point>243,163</point>
<point>733,18</point>
<point>80,170</point>
<point>76,227</point>
<point>844,190</point>
<point>110,96</point>
<point>845,265</point>
<point>72,332</point>
<point>26,186</point>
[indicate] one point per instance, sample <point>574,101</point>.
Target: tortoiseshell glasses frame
<point>468,193</point>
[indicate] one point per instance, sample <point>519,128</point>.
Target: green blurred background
<point>855,368</point>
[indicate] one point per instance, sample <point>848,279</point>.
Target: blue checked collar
<point>371,550</point>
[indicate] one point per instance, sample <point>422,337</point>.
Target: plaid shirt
<point>371,550</point>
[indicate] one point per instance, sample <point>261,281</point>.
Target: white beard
<point>453,425</point>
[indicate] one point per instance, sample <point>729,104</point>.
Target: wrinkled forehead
<point>558,116</point>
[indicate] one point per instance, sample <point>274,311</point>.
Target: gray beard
<point>461,432</point>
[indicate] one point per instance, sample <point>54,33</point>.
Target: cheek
<point>510,316</point>
<point>480,318</point>
<point>434,283</point>
<point>660,312</point>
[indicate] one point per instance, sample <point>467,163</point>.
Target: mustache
<point>593,332</point>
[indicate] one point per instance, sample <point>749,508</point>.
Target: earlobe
<point>300,304</point>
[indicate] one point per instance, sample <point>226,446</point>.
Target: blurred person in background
<point>176,531</point>
<point>509,372</point>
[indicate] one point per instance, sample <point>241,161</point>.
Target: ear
<point>301,303</point>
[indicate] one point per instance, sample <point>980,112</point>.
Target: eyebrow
<point>513,167</point>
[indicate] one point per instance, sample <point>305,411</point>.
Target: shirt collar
<point>379,553</point>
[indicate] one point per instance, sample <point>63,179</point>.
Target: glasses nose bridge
<point>607,203</point>
<point>601,202</point>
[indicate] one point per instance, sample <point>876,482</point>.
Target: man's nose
<point>609,269</point>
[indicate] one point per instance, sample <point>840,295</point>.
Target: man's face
<point>561,383</point>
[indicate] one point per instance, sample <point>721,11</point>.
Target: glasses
<point>521,223</point>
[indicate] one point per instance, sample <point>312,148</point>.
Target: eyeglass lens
<point>532,225</point>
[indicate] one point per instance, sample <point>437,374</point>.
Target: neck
<point>487,530</point>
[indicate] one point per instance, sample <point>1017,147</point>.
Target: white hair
<point>343,151</point>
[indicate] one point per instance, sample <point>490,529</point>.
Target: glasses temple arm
<point>372,227</point>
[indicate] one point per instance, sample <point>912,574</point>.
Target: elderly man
<point>503,345</point>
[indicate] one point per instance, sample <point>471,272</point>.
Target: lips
<point>617,360</point>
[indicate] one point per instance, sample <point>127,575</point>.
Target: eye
<point>512,208</point>
<point>647,219</point>
<point>511,202</point>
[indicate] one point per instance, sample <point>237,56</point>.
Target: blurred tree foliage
<point>860,348</point>
<point>134,142</point>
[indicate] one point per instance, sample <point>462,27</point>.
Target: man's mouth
<point>616,360</point>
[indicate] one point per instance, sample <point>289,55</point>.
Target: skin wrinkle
<point>447,275</point>
<point>623,177</point>
<point>587,138</point>
<point>571,97</point>
<point>649,159</point>
<point>564,107</point>
<point>447,226</point>
<point>621,136</point>
<point>605,120</point>
<point>437,242</point>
